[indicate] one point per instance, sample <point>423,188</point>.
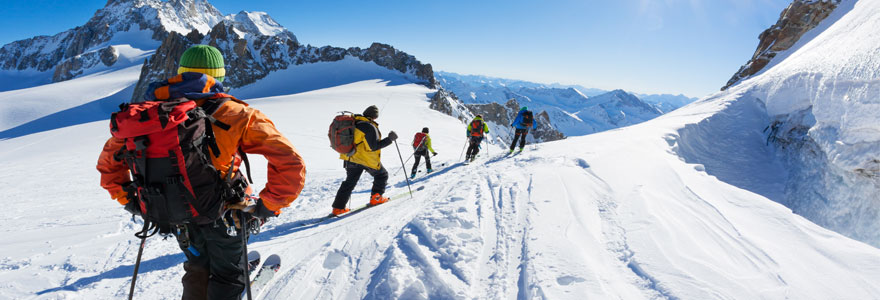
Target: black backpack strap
<point>212,105</point>
<point>247,164</point>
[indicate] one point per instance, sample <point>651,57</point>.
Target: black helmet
<point>425,130</point>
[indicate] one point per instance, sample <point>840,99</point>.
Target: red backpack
<point>419,141</point>
<point>341,133</point>
<point>167,148</point>
<point>476,128</point>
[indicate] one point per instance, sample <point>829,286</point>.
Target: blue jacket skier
<point>524,121</point>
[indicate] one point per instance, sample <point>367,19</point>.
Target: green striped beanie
<point>203,59</point>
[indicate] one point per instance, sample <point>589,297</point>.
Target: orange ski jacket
<point>250,129</point>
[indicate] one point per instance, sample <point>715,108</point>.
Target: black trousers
<point>519,134</point>
<point>474,147</point>
<point>418,155</point>
<point>353,173</point>
<point>216,273</point>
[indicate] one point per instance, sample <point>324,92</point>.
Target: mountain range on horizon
<point>154,33</point>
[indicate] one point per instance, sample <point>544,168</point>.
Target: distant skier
<point>524,121</point>
<point>421,146</point>
<point>369,142</point>
<point>188,191</point>
<point>476,130</point>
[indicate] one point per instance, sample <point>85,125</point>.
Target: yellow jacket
<point>368,144</point>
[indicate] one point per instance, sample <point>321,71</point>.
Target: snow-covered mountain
<point>666,102</point>
<point>571,111</point>
<point>150,36</point>
<point>820,98</point>
<point>120,34</point>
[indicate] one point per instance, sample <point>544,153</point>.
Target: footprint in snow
<point>567,280</point>
<point>334,259</point>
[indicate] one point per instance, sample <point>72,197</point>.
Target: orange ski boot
<point>377,199</point>
<point>339,211</point>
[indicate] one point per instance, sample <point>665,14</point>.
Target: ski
<point>264,275</point>
<point>358,209</point>
<point>253,258</point>
<point>366,206</point>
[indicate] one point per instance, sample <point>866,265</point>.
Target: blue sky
<point>646,46</point>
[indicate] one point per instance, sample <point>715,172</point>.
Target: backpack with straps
<point>527,118</point>
<point>419,141</point>
<point>476,128</point>
<point>168,148</point>
<point>341,133</point>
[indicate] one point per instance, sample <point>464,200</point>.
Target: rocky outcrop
<point>75,66</point>
<point>252,55</point>
<point>386,56</point>
<point>69,54</point>
<point>446,102</point>
<point>163,63</point>
<point>794,21</point>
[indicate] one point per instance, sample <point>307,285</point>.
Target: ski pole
<point>143,235</point>
<point>487,148</point>
<point>462,149</point>
<point>137,265</point>
<point>404,166</point>
<point>244,251</point>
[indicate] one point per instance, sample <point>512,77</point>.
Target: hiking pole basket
<point>404,166</point>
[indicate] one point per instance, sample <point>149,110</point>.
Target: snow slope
<point>599,216</point>
<point>820,100</point>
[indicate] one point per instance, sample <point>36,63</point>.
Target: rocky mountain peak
<point>795,20</point>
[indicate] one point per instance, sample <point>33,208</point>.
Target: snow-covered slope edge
<point>821,104</point>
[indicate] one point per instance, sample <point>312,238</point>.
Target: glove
<point>253,206</point>
<point>434,154</point>
<point>260,211</point>
<point>133,207</point>
<point>392,135</point>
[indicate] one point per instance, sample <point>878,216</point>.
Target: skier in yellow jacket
<point>367,157</point>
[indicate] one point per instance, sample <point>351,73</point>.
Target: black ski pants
<point>521,135</point>
<point>418,155</point>
<point>216,272</point>
<point>353,173</point>
<point>474,147</point>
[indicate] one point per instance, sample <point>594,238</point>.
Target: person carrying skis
<point>421,146</point>
<point>524,121</point>
<point>476,129</point>
<point>213,266</point>
<point>366,157</point>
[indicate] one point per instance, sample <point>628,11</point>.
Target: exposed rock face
<point>252,55</point>
<point>69,52</point>
<point>794,21</point>
<point>446,102</point>
<point>75,66</point>
<point>163,63</point>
